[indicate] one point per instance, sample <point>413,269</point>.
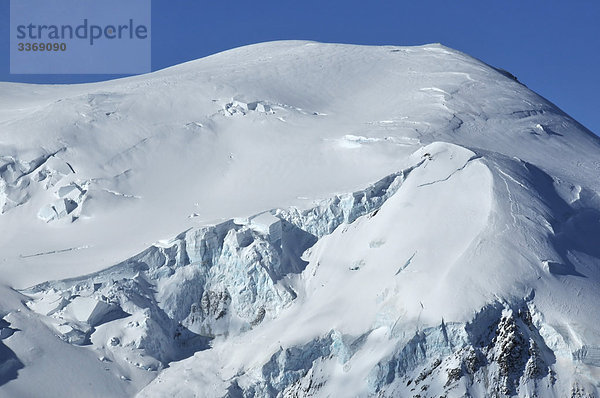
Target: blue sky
<point>551,46</point>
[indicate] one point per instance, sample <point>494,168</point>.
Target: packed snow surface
<point>299,219</point>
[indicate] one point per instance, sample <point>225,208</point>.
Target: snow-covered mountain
<point>296,219</point>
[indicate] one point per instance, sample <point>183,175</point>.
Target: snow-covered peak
<point>308,218</point>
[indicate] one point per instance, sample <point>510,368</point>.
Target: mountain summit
<point>295,219</point>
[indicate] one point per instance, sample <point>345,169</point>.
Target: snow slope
<point>299,219</point>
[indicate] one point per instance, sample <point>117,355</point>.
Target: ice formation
<point>296,219</point>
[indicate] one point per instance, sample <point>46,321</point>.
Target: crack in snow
<point>124,195</point>
<point>513,205</point>
<point>451,174</point>
<point>55,251</point>
<point>406,264</point>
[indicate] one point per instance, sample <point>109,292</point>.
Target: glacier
<point>296,219</point>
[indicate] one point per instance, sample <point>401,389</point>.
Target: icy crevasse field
<point>299,219</point>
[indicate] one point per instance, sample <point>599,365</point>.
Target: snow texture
<point>296,219</point>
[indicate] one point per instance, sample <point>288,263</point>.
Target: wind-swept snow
<point>299,219</point>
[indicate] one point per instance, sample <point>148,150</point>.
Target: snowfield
<point>297,219</point>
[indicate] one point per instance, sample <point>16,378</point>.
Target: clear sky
<point>552,46</point>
